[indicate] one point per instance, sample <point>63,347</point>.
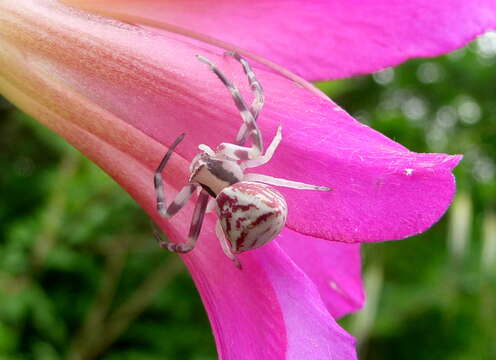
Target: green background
<point>82,278</point>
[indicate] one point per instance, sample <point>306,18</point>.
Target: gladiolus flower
<point>121,92</point>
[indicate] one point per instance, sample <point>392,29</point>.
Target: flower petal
<point>381,191</point>
<point>334,267</point>
<point>270,310</point>
<point>308,337</point>
<point>319,39</point>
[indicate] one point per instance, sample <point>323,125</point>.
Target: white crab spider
<point>250,212</point>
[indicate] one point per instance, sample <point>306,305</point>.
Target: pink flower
<point>121,93</point>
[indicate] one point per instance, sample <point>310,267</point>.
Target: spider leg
<point>283,182</point>
<point>195,228</point>
<point>235,152</point>
<point>211,205</point>
<point>242,153</point>
<point>184,195</point>
<point>156,233</point>
<point>265,158</point>
<point>206,149</point>
<point>225,245</point>
<point>248,118</point>
<point>258,92</point>
<point>177,204</point>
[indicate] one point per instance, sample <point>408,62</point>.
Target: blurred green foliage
<point>78,263</point>
<point>82,278</point>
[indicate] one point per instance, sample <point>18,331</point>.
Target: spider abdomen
<point>251,214</point>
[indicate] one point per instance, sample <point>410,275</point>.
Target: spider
<point>250,212</point>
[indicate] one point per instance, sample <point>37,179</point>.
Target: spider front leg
<point>184,195</point>
<point>194,230</point>
<point>246,114</point>
<point>258,92</point>
<point>179,201</point>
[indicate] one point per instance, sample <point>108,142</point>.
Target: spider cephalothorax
<point>250,212</point>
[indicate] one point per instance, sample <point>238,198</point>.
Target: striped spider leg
<point>254,109</point>
<point>250,212</point>
<point>177,204</point>
<point>258,93</point>
<point>249,126</point>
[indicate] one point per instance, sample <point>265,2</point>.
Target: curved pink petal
<point>381,191</point>
<point>324,39</point>
<point>308,337</point>
<point>116,91</point>
<point>271,309</point>
<point>334,267</point>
